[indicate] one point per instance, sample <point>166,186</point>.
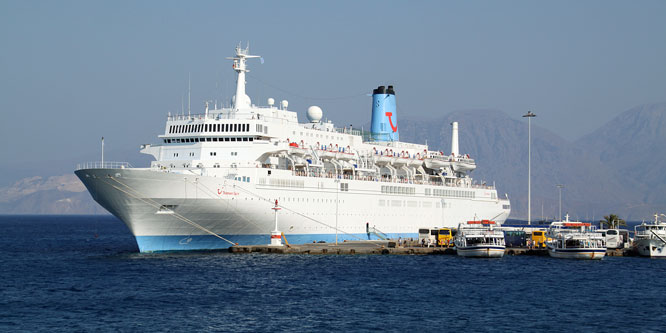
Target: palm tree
<point>613,221</point>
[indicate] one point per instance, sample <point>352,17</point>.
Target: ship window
<point>244,139</point>
<point>226,128</point>
<point>233,139</point>
<point>206,128</point>
<point>217,127</point>
<point>226,139</point>
<point>251,139</point>
<point>235,128</point>
<point>209,139</point>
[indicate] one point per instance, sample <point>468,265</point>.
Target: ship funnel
<point>384,126</point>
<point>454,139</point>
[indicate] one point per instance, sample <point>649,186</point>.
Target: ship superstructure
<point>216,176</point>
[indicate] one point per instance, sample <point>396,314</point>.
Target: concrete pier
<point>385,247</point>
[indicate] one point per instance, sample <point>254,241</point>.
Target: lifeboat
<point>295,149</point>
<point>463,164</point>
<point>435,161</point>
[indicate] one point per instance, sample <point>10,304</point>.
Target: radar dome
<point>284,104</point>
<point>314,114</point>
<point>271,102</point>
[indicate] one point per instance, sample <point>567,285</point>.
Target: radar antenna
<point>241,100</point>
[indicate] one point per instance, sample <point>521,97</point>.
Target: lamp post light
<point>529,117</point>
<point>559,187</point>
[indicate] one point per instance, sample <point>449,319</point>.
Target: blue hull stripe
<point>210,242</point>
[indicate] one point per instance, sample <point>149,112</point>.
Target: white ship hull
<point>651,247</point>
<point>169,211</point>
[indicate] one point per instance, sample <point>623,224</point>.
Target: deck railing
<point>103,165</point>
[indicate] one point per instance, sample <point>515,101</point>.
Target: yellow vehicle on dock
<point>444,237</point>
<point>539,239</point>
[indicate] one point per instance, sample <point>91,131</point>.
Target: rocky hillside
<point>499,145</point>
<point>53,195</point>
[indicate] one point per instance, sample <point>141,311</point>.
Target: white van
<point>615,238</point>
<point>428,234</point>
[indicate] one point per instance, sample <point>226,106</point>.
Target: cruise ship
<point>218,175</point>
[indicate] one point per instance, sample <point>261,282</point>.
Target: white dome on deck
<point>314,114</point>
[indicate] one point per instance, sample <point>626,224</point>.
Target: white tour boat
<point>575,240</point>
<point>650,238</point>
<point>480,239</point>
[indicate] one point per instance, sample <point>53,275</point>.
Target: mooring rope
<point>301,214</point>
<point>157,205</point>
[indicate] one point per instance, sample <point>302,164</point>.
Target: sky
<point>74,71</point>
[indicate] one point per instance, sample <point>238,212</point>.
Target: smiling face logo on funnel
<point>394,128</point>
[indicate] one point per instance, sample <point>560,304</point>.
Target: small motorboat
<point>480,239</point>
<point>575,240</point>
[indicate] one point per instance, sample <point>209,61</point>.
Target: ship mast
<point>241,100</point>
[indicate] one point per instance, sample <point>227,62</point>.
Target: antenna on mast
<point>189,91</point>
<point>241,100</point>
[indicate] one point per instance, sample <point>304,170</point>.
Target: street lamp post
<point>529,117</point>
<point>559,187</point>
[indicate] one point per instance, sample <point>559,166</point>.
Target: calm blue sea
<point>55,275</point>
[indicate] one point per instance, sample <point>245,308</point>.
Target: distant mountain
<point>634,146</point>
<point>498,143</point>
<point>618,168</point>
<point>53,195</point>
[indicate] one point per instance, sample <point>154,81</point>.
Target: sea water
<point>84,273</point>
